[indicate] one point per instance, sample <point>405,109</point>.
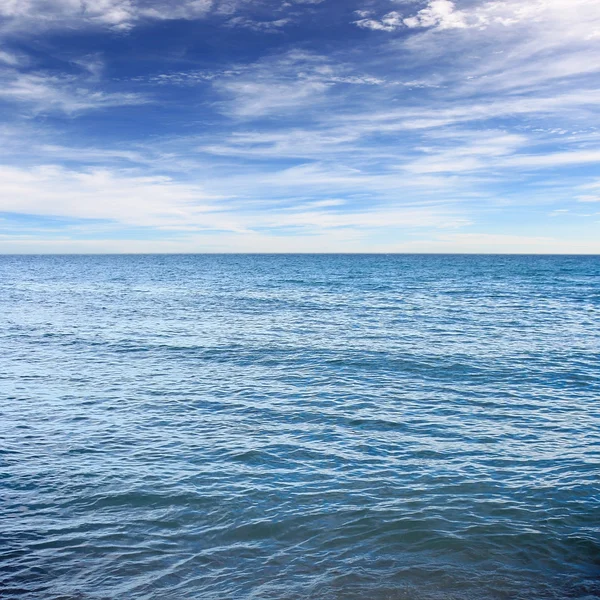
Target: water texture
<point>299,427</point>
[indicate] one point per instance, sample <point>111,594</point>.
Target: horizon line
<point>225,253</point>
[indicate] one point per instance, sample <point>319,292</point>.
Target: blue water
<point>299,427</point>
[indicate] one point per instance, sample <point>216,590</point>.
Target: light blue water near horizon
<point>399,427</point>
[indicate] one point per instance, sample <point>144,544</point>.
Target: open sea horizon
<point>299,426</point>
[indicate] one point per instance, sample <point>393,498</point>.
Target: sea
<point>290,427</point>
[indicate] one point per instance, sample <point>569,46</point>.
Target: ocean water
<point>299,427</point>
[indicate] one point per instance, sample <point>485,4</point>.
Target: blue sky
<point>300,126</point>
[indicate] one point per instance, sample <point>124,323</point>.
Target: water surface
<point>299,427</point>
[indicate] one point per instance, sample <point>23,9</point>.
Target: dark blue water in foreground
<point>299,427</point>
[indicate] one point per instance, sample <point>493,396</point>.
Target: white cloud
<point>88,155</point>
<point>468,151</point>
<point>273,26</point>
<point>555,159</point>
<point>378,219</point>
<point>115,14</point>
<point>501,45</point>
<point>296,142</point>
<point>122,15</point>
<point>258,98</point>
<point>458,110</point>
<point>162,203</point>
<point>389,22</point>
<point>559,212</point>
<point>476,145</point>
<point>494,152</point>
<point>43,93</point>
<point>439,13</point>
<point>594,185</point>
<point>443,14</point>
<point>10,58</point>
<point>284,84</point>
<point>536,43</point>
<point>102,194</point>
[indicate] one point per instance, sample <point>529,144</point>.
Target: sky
<point>300,126</point>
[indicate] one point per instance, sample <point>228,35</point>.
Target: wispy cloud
<point>11,59</point>
<point>115,14</point>
<point>102,194</point>
<point>444,14</point>
<point>272,26</point>
<point>47,93</point>
<point>280,84</point>
<point>126,200</point>
<point>124,15</point>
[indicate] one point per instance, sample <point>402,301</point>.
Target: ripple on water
<point>292,427</point>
